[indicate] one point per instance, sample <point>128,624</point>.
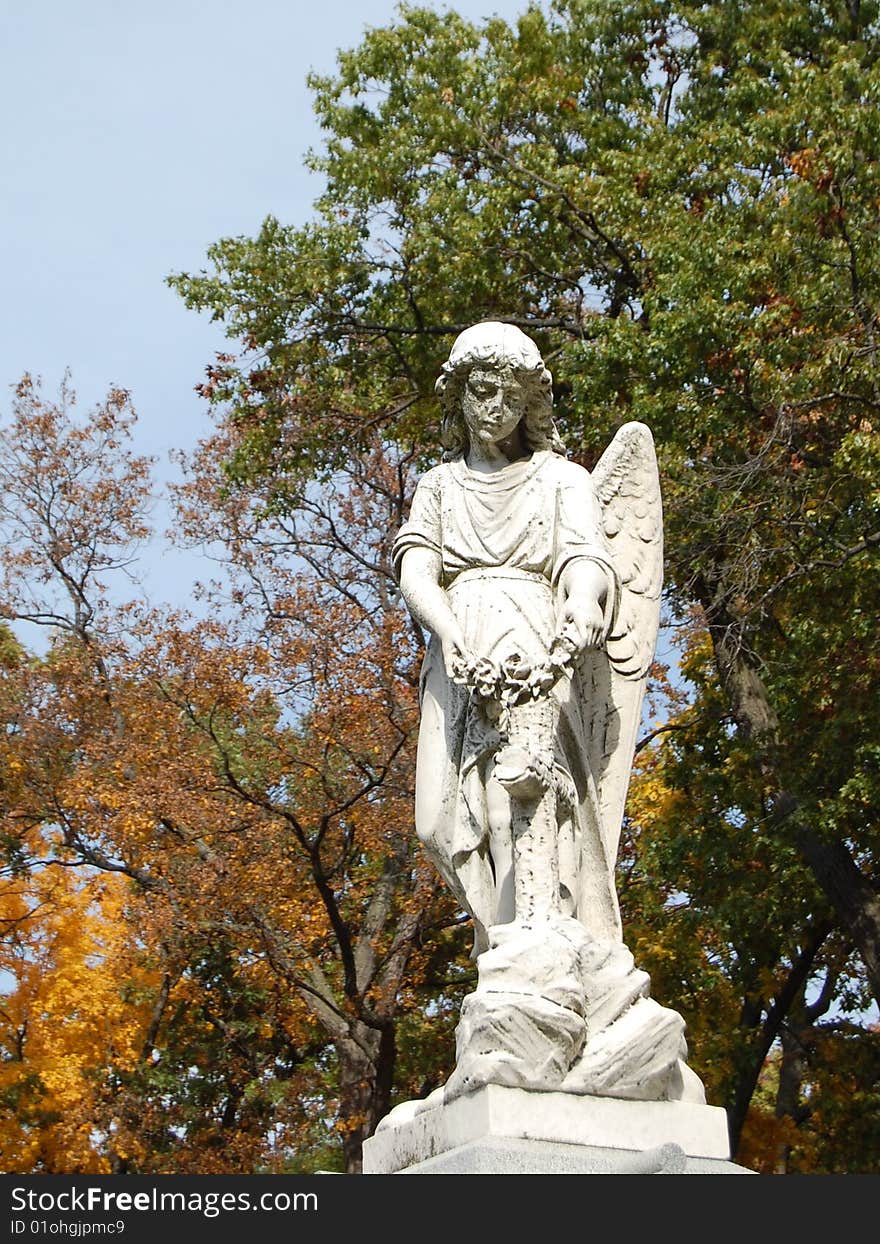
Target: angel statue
<point>540,584</point>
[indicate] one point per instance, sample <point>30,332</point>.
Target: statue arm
<point>584,580</point>
<point>420,571</point>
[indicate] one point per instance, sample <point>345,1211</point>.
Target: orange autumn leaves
<point>211,886</point>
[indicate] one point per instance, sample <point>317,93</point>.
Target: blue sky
<point>135,135</point>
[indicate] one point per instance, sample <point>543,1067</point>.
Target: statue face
<point>493,404</point>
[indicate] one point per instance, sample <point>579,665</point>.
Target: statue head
<point>503,349</point>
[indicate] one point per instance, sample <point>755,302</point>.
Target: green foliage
<point>220,1076</point>
<point>680,202</point>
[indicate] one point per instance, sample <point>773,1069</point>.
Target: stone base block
<point>517,1131</point>
<point>540,1157</point>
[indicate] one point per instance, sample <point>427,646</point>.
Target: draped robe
<point>504,540</point>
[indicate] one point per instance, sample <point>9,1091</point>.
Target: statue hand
<point>456,656</point>
<point>581,623</point>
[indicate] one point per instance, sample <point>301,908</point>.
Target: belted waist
<point>499,572</point>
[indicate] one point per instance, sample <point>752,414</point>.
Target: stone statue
<point>540,585</point>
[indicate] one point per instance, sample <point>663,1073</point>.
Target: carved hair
<point>505,348</point>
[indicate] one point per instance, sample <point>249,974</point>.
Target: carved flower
<point>542,679</point>
<point>485,676</point>
<point>516,669</point>
<point>460,670</point>
<point>515,674</point>
<point>562,652</point>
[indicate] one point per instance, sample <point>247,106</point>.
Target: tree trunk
<point>854,898</point>
<point>788,1095</point>
<point>364,1088</point>
<point>788,995</point>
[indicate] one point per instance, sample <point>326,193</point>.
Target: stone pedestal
<point>502,1130</point>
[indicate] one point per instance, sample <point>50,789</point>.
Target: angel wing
<point>626,483</point>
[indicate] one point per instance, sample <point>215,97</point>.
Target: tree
<point>679,201</point>
<point>234,800</point>
<point>316,591</point>
<point>65,946</point>
<point>732,924</point>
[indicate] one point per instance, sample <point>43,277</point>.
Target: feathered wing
<point>626,483</point>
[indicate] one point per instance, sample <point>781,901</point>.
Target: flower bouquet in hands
<point>514,680</point>
<point>514,695</point>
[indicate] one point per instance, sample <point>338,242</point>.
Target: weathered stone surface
<point>541,1157</point>
<point>547,960</point>
<point>636,1056</point>
<point>612,983</point>
<point>515,1039</point>
<point>540,584</point>
<point>555,1009</point>
<point>616,1128</point>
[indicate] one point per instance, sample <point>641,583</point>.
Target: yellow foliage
<point>65,1016</point>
